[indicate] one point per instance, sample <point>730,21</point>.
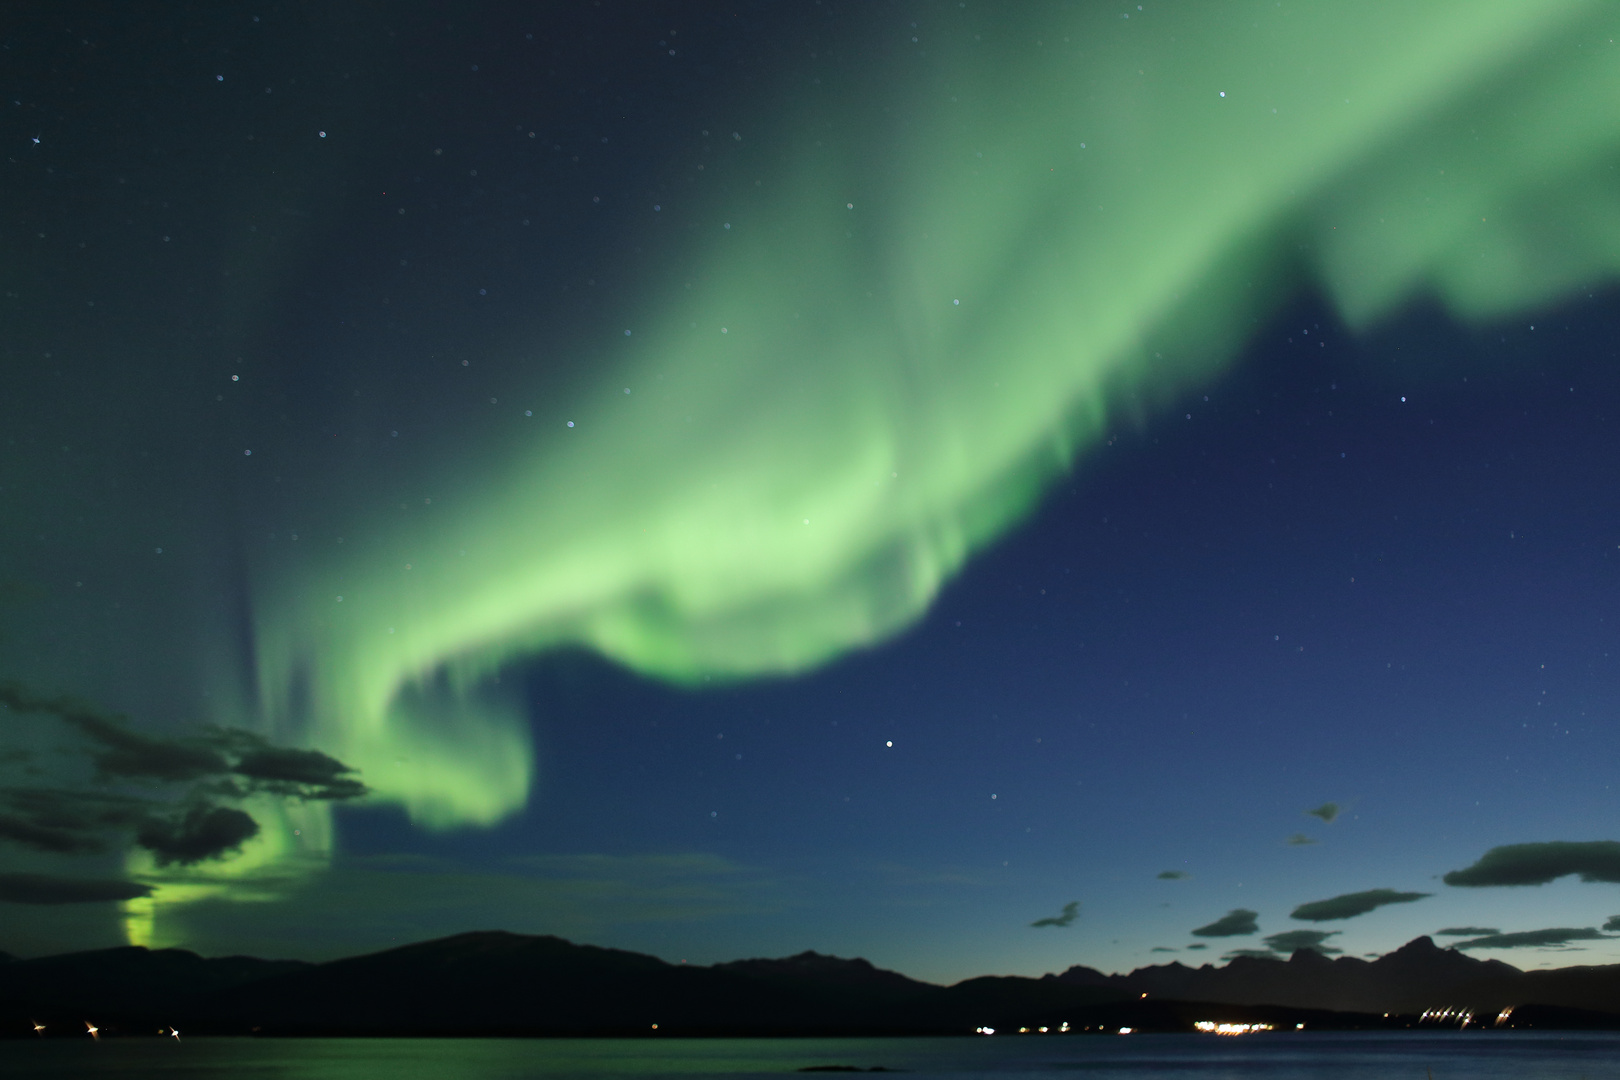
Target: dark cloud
<point>119,752</point>
<point>51,889</point>
<point>1290,940</point>
<point>1532,939</point>
<point>66,822</point>
<point>1612,924</point>
<point>305,774</point>
<point>1234,923</point>
<point>43,838</point>
<point>202,832</point>
<point>1197,945</point>
<point>1173,875</point>
<point>1162,948</point>
<point>220,766</point>
<point>1537,864</point>
<point>69,822</point>
<point>1349,905</point>
<point>1071,912</point>
<point>1327,812</point>
<point>1299,839</point>
<point>1474,931</point>
<point>76,809</point>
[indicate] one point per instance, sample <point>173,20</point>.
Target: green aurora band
<point>905,337</point>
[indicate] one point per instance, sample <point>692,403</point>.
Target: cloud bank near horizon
<point>1533,939</point>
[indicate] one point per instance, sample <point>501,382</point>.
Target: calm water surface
<point>1449,1056</point>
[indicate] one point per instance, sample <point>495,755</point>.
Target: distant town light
<point>1210,1027</point>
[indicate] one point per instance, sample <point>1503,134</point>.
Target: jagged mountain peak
<point>819,967</point>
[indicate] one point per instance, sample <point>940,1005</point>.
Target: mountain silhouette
<point>495,983</point>
<point>1418,976</point>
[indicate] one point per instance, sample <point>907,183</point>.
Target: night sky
<point>980,487</point>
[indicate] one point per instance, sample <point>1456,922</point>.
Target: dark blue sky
<point>1303,589</point>
<point>1371,567</point>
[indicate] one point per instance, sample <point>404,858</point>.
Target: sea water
<point>1291,1056</point>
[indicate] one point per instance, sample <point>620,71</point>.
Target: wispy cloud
<point>1327,811</point>
<point>1234,923</point>
<point>1349,905</point>
<point>1472,931</point>
<point>1299,839</point>
<point>1537,864</point>
<point>1070,912</point>
<point>1173,875</point>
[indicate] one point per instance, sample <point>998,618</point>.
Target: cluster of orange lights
<point>1462,1017</point>
<point>1210,1027</point>
<point>95,1032</point>
<point>1061,1029</point>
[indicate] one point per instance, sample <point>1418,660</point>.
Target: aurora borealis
<point>455,399</point>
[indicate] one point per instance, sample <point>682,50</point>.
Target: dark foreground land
<point>496,983</point>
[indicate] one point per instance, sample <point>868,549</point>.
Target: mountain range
<point>1414,978</point>
<point>501,983</point>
